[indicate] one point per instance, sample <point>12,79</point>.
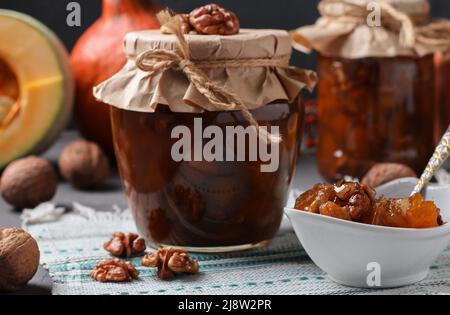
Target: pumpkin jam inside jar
<point>376,101</point>
<point>197,176</point>
<point>374,110</point>
<point>201,203</point>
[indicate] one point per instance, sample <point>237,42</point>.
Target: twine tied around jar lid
<point>410,18</point>
<point>159,60</point>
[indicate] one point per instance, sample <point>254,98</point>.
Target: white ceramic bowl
<point>353,253</point>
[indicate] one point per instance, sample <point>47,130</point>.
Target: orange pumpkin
<point>98,55</point>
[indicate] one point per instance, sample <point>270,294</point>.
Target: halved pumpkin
<point>36,94</point>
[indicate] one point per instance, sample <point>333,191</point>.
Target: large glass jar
<point>204,206</point>
<point>374,110</point>
<point>196,173</point>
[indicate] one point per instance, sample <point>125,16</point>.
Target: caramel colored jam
<point>374,110</point>
<point>200,203</point>
<point>357,202</point>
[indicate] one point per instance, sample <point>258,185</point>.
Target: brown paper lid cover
<point>134,89</point>
<point>344,32</point>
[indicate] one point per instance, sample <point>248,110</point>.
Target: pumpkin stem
<point>118,7</point>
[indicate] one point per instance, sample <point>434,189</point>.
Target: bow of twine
<point>435,33</point>
<point>158,60</point>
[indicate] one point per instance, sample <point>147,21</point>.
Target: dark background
<point>284,14</point>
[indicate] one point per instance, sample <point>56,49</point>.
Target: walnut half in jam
<point>358,203</point>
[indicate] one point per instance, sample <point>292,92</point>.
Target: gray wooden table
<point>111,194</point>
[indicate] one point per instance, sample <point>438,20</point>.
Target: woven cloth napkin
<point>71,245</point>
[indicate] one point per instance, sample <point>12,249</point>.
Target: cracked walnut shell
<point>212,19</point>
<point>112,270</point>
<point>125,245</point>
<point>170,261</point>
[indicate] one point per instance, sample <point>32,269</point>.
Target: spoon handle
<point>440,155</point>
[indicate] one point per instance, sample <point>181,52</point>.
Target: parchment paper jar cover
<point>137,90</point>
<point>200,204</point>
<point>376,83</point>
<point>343,31</point>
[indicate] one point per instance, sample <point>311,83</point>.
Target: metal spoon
<point>441,154</point>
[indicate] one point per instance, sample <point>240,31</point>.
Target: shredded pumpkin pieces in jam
<point>357,202</point>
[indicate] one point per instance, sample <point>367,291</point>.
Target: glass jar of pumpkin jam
<point>374,110</point>
<point>199,205</point>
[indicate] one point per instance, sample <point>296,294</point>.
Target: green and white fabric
<point>71,245</point>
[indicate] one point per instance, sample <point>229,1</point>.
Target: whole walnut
<point>212,19</point>
<point>84,164</point>
<point>27,182</point>
<point>382,173</point>
<point>19,258</point>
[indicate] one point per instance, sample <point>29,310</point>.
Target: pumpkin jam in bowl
<point>368,242</point>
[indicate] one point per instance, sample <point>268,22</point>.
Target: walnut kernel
<point>125,245</point>
<point>212,19</point>
<point>170,261</point>
<point>112,270</point>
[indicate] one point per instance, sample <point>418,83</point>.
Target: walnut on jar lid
<point>212,19</point>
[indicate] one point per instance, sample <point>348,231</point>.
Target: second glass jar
<point>374,110</point>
